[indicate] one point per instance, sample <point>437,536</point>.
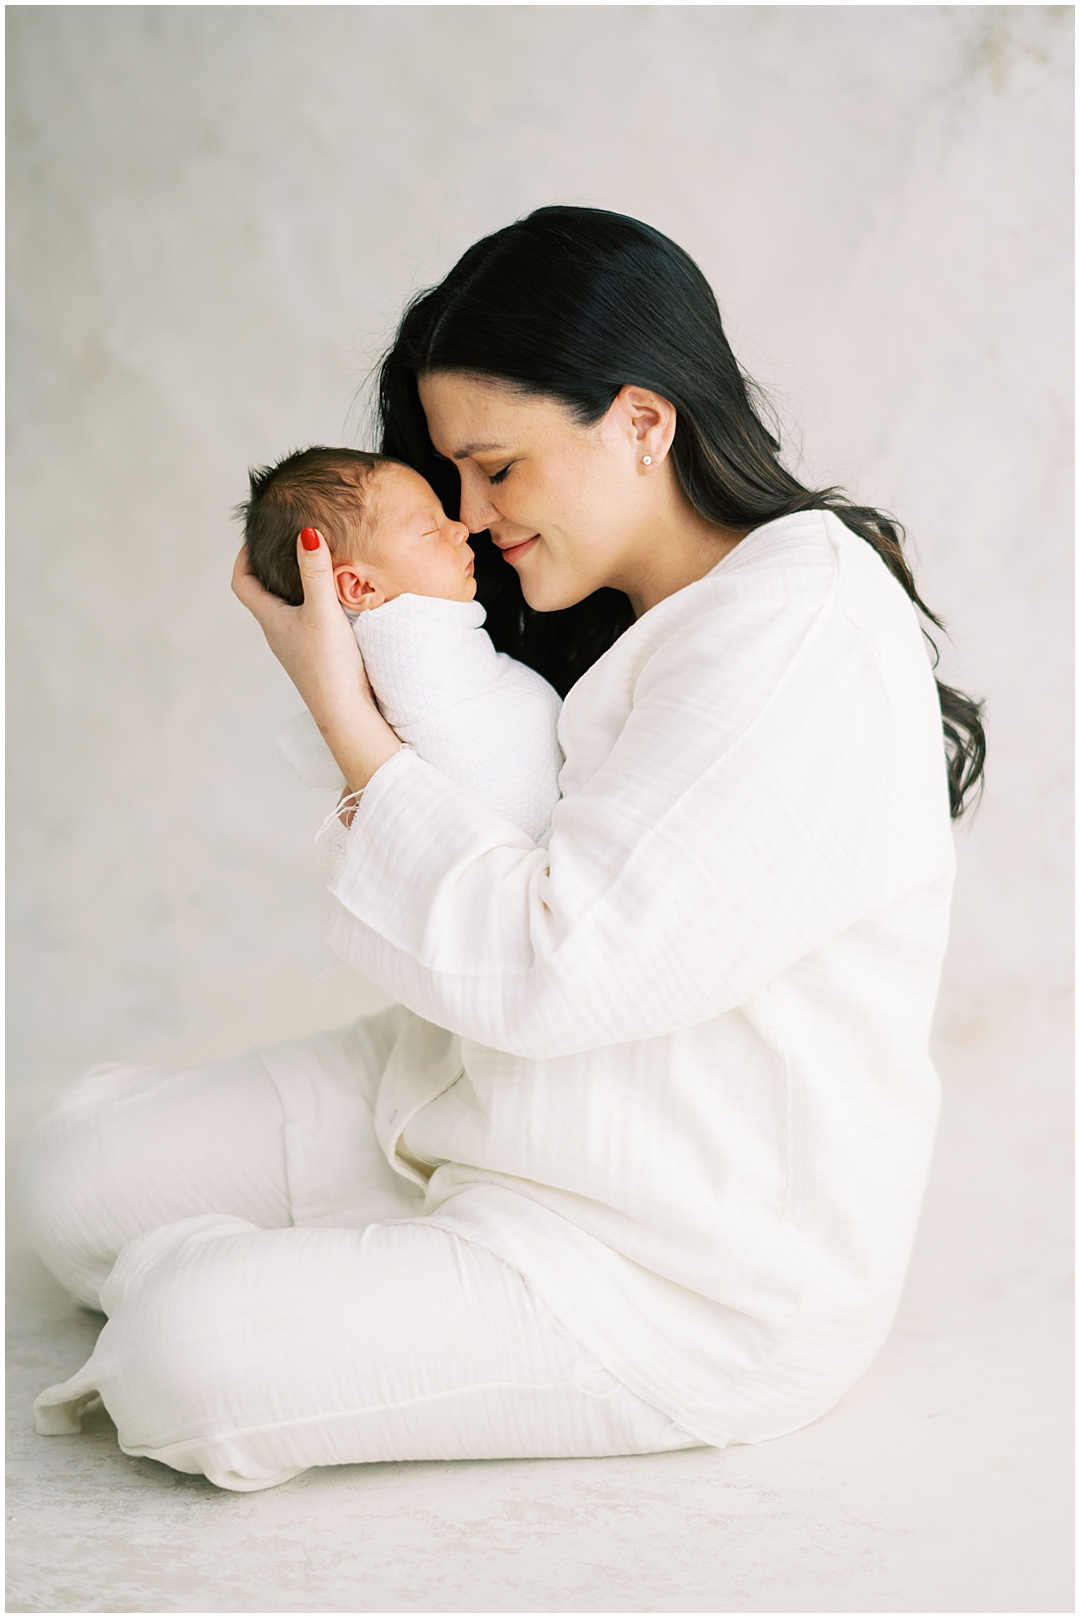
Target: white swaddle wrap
<point>485,720</point>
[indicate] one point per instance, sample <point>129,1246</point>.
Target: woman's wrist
<point>361,745</point>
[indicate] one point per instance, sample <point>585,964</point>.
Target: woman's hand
<point>317,649</point>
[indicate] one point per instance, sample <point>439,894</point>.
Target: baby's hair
<point>311,488</point>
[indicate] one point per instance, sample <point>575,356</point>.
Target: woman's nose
<point>477,510</point>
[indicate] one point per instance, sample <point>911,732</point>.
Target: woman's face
<point>571,508</point>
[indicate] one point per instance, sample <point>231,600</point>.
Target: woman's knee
<point>127,1150</point>
<point>170,1361</point>
<point>163,1364</point>
<point>216,1326</point>
<point>62,1199</point>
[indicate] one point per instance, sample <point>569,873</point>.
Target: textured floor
<point>941,1484</point>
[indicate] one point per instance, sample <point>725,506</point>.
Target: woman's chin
<point>550,594</point>
<point>544,599</point>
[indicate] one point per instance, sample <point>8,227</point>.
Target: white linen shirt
<point>671,1061</point>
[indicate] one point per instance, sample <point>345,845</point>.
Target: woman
<point>635,1164</point>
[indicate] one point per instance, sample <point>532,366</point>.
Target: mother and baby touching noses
<point>656,868</point>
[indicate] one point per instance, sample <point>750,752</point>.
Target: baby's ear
<point>356,588</point>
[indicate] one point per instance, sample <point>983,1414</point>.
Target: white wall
<point>217,213</point>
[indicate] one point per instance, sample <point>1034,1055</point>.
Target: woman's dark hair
<point>573,304</point>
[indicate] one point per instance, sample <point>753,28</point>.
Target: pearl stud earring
<point>646,460</point>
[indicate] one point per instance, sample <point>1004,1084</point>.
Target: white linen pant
<point>247,1343</point>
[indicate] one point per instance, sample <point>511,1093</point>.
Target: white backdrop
<point>217,213</point>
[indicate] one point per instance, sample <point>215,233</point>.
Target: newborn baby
<point>404,575</point>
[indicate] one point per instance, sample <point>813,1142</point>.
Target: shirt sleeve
<point>740,819</point>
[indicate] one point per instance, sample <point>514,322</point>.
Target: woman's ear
<point>648,420</point>
<point>357,587</point>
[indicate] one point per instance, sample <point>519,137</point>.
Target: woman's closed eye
<point>499,477</point>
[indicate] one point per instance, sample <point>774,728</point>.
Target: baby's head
<point>384,524</point>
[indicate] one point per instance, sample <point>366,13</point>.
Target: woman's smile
<point>519,548</point>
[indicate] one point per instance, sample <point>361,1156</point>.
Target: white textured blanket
<point>485,720</point>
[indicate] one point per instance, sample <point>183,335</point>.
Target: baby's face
<point>411,547</point>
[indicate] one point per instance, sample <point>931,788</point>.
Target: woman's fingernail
<point>309,539</point>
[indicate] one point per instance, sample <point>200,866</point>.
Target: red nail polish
<point>309,539</point>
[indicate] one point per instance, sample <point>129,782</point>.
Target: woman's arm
<point>317,649</point>
<point>742,817</point>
